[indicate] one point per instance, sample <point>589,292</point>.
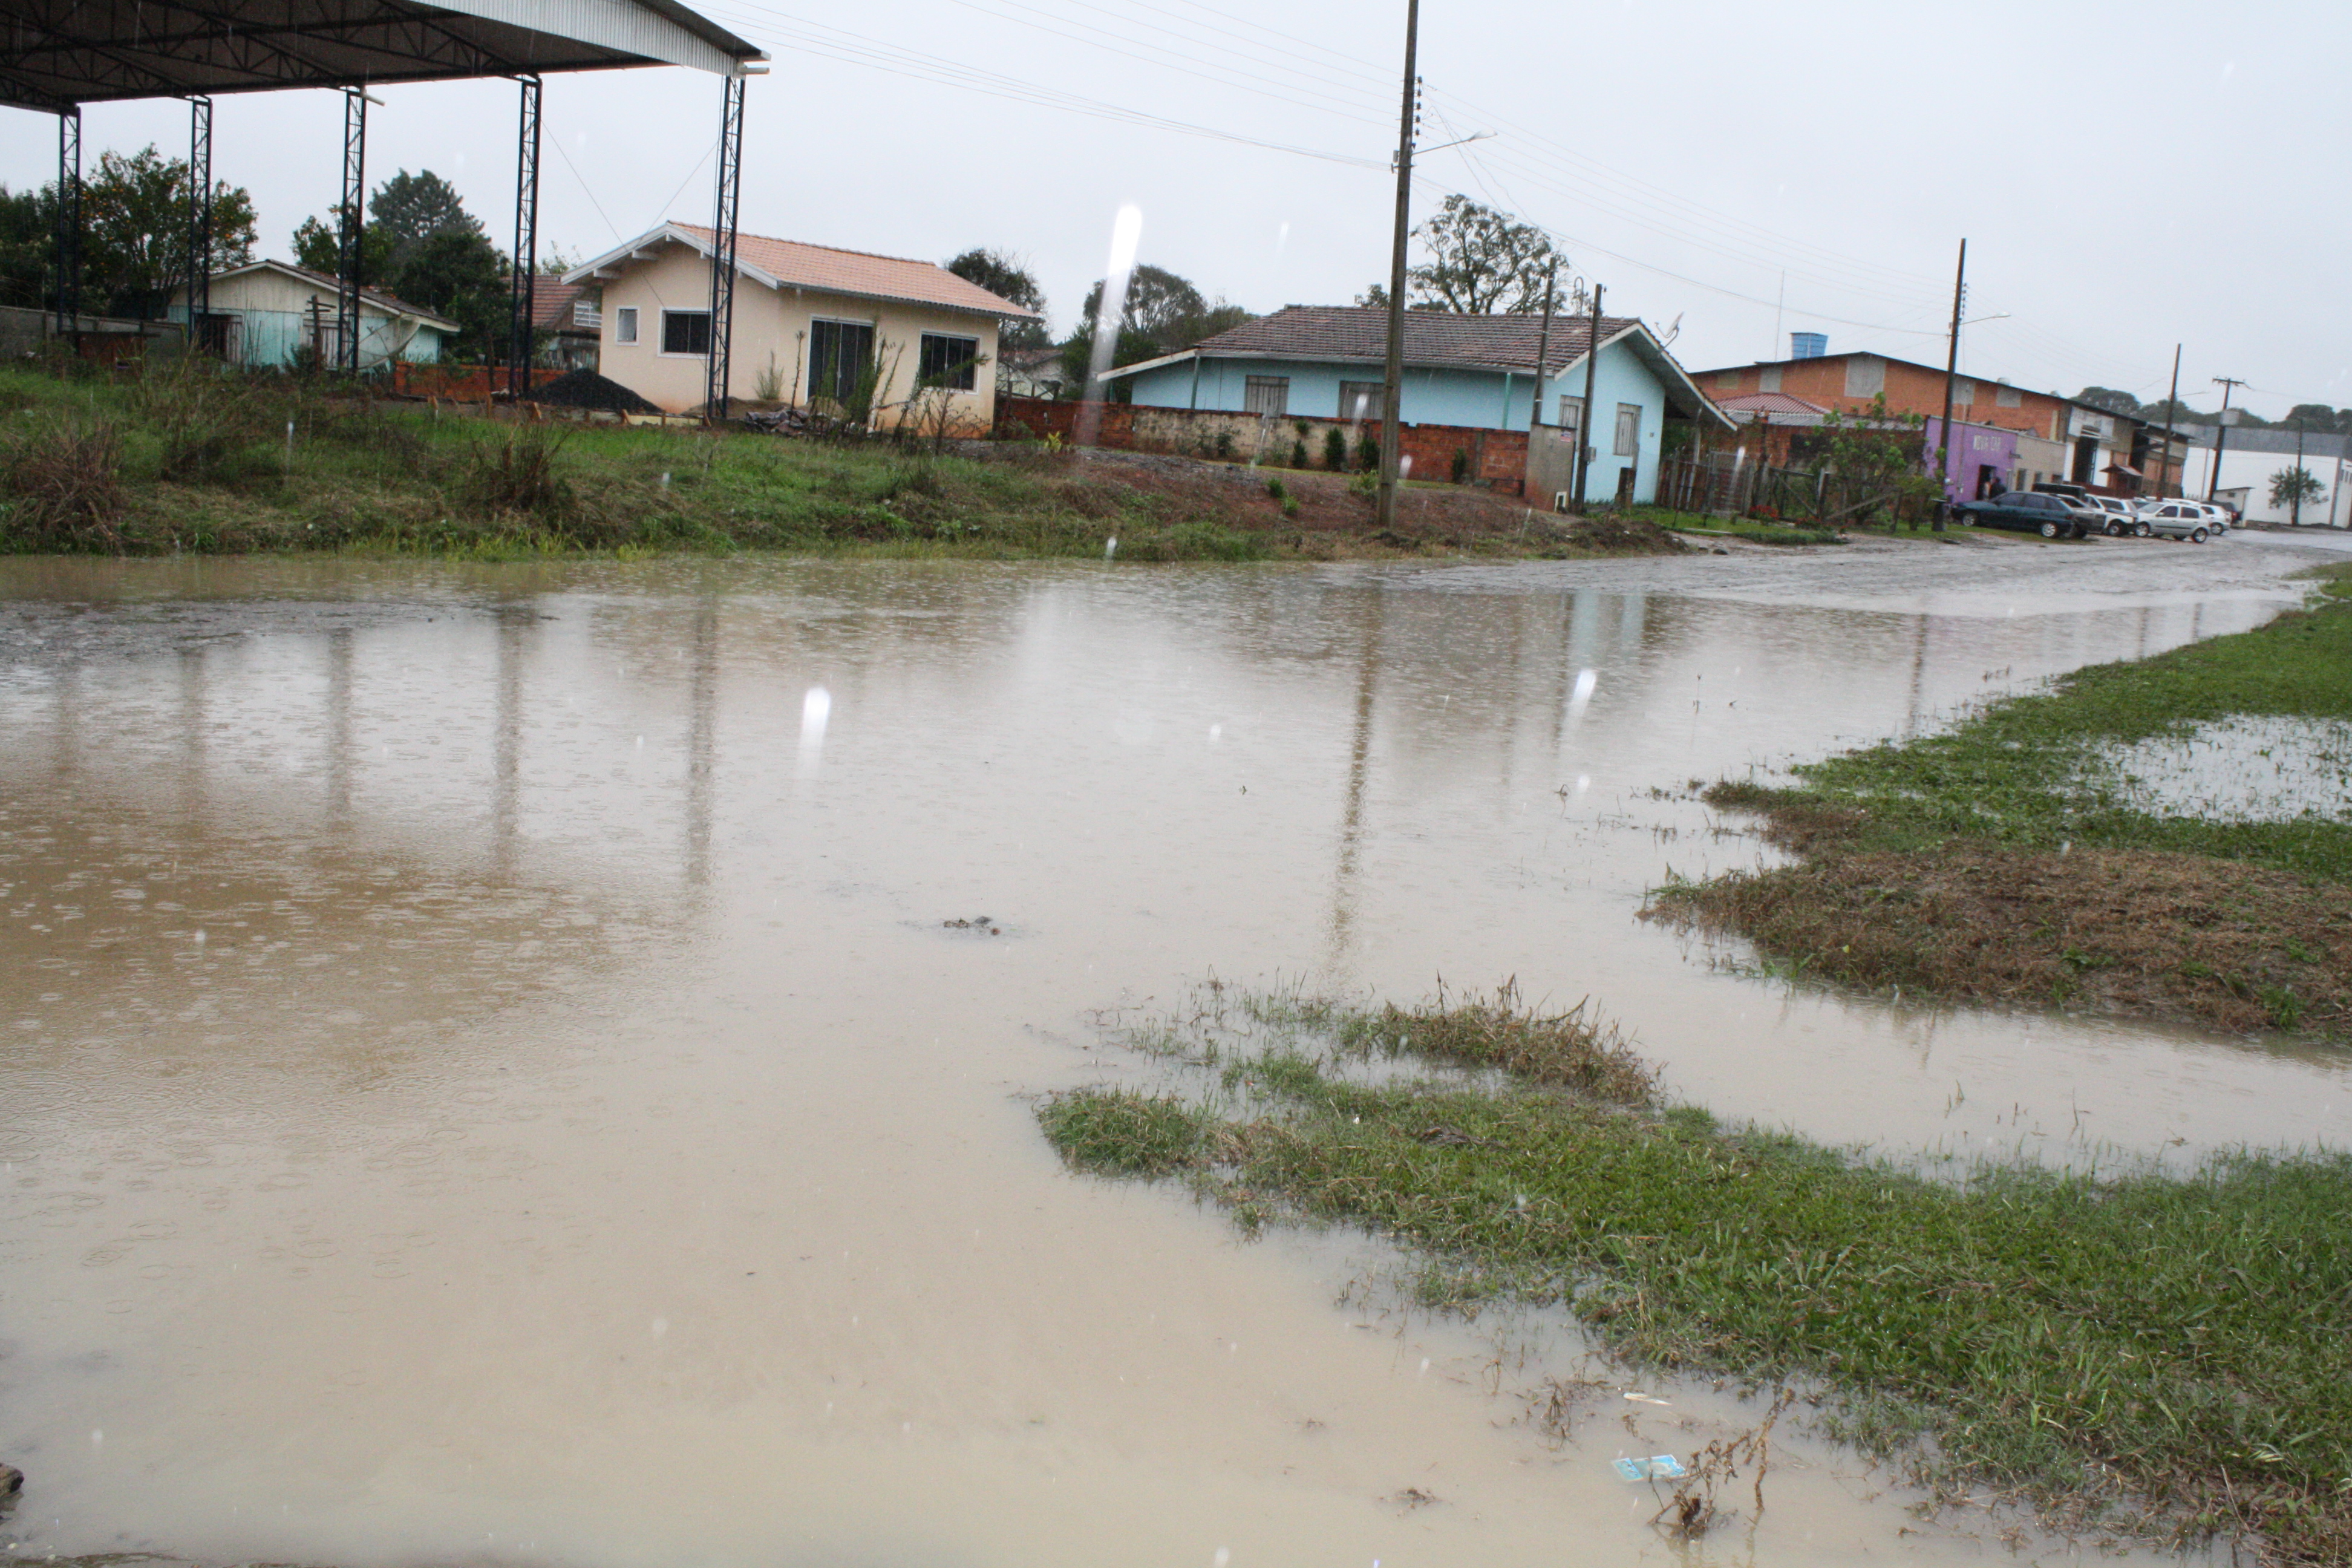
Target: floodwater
<point>487,1076</point>
<point>2245,768</point>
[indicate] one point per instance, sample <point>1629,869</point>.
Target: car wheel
<point>2144,531</point>
<point>2049,530</point>
<point>2114,530</point>
<point>2197,535</point>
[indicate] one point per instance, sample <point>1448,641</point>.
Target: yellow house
<point>882,337</point>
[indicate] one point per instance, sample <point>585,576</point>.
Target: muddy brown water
<point>487,1076</point>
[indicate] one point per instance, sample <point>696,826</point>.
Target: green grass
<point>1753,530</point>
<point>174,460</point>
<point>2003,862</point>
<point>2130,1339</point>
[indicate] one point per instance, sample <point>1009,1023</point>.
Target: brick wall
<point>468,382</point>
<point>1910,389</point>
<point>1497,459</point>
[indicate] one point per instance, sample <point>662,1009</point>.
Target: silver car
<point>2175,520</point>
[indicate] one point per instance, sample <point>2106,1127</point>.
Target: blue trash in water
<point>1664,1468</point>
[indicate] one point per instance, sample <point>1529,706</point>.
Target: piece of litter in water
<point>1662,1466</point>
<point>1643,1399</point>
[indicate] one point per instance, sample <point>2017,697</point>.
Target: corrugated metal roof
<point>57,53</point>
<point>1768,403</point>
<point>2315,443</point>
<point>389,304</point>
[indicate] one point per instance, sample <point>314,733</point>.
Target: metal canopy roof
<point>57,53</point>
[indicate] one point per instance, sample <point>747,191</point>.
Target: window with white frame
<point>686,332</point>
<point>625,324</point>
<point>1362,399</point>
<point>1629,429</point>
<point>1267,395</point>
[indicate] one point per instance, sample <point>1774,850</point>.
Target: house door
<point>841,365</point>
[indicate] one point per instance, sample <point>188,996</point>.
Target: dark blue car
<point>2046,515</point>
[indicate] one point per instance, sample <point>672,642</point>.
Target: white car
<point>2217,518</point>
<point>2120,517</point>
<point>2175,520</point>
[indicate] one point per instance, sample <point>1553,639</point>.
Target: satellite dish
<point>1673,332</point>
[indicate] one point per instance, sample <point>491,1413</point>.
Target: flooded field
<point>532,1065</point>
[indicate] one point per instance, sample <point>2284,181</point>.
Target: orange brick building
<point>1849,381</point>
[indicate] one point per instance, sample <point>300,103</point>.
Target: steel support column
<point>723,246</point>
<point>200,216</point>
<point>68,242</point>
<point>526,243</point>
<point>354,229</point>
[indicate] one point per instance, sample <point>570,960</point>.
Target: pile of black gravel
<point>586,389</point>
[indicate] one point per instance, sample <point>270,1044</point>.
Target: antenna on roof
<point>1673,332</point>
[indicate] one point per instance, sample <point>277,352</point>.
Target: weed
<point>65,486</point>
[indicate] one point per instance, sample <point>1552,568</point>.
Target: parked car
<point>2048,515</point>
<point>2079,501</point>
<point>2218,517</point>
<point>2120,517</point>
<point>2175,520</point>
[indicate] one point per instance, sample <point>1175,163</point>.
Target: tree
<point>2109,398</point>
<point>1164,313</point>
<point>319,245</point>
<point>2293,488</point>
<point>1007,278</point>
<point>2318,417</point>
<point>409,210</point>
<point>28,240</point>
<point>134,241</point>
<point>1875,454</point>
<point>1481,261</point>
<point>459,273</point>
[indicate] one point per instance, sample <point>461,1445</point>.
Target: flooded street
<point>489,1076</point>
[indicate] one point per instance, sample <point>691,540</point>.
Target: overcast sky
<point>2126,175</point>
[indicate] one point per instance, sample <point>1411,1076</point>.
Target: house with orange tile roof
<point>815,327</point>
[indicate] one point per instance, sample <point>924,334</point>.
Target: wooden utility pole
<point>1951,375</point>
<point>2171,411</point>
<point>1543,350</point>
<point>2220,434</point>
<point>1392,388</point>
<point>1584,421</point>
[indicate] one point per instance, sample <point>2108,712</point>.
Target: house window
<point>686,332</point>
<point>1629,429</point>
<point>1727,380</point>
<point>1963,393</point>
<point>1267,395</point>
<point>1362,399</point>
<point>948,362</point>
<point>841,354</point>
<point>625,324</point>
<point>1571,417</point>
<point>2007,397</point>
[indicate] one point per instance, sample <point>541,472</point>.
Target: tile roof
<point>796,265</point>
<point>551,300</point>
<point>1767,403</point>
<point>1432,338</point>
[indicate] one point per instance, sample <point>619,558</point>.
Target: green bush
<point>1334,449</point>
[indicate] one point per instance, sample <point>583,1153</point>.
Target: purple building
<point>1981,462</point>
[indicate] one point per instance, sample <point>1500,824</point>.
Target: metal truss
<point>200,215</point>
<point>354,229</point>
<point>69,248</point>
<point>722,245</point>
<point>526,243</point>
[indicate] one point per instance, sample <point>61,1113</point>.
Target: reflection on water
<point>487,1075</point>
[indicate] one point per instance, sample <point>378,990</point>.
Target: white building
<point>2251,458</point>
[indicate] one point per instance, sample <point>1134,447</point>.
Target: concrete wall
<point>771,330</point>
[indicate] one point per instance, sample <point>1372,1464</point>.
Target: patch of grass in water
<point>1969,864</point>
<point>2141,1340</point>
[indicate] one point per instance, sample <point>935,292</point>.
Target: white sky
<point>2128,175</point>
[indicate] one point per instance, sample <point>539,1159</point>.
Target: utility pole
<point>1543,352</point>
<point>2171,411</point>
<point>1584,420</point>
<point>2220,433</point>
<point>1392,389</point>
<point>1952,374</point>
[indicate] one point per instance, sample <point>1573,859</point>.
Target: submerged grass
<point>1756,531</point>
<point>2167,1348</point>
<point>2002,862</point>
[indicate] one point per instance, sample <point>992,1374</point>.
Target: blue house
<point>274,314</point>
<point>1326,363</point>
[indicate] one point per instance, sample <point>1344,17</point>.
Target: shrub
<point>1368,453</point>
<point>1277,488</point>
<point>1334,449</point>
<point>518,476</point>
<point>1298,454</point>
<point>65,486</point>
<point>203,416</point>
<point>1461,465</point>
<point>1224,444</point>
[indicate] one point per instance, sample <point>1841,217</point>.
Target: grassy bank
<point>2005,860</point>
<point>1755,530</point>
<point>194,461</point>
<point>2164,1349</point>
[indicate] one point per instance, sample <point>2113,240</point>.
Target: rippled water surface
<point>486,1075</point>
